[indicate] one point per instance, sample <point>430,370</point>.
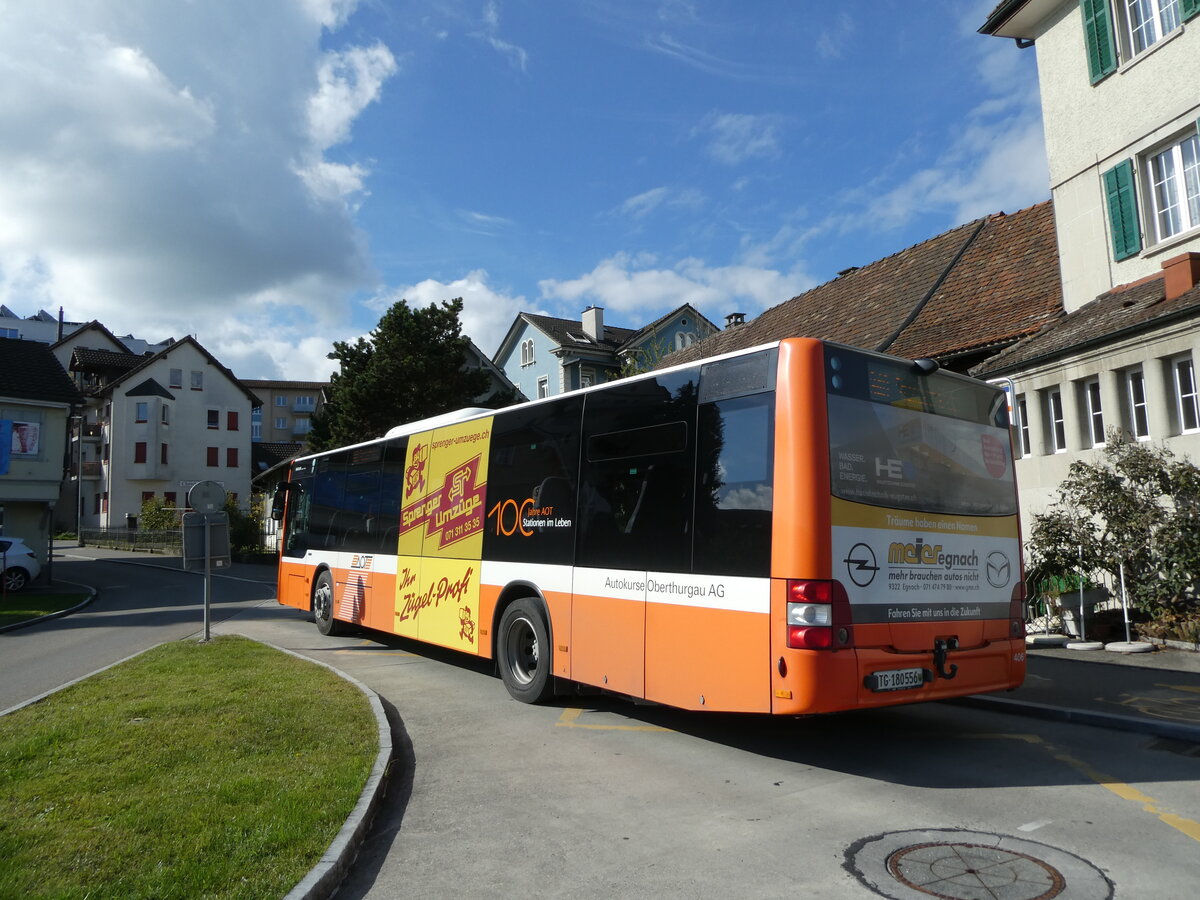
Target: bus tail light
<point>1016,611</point>
<point>818,616</point>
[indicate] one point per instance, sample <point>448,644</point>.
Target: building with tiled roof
<point>543,355</point>
<point>153,426</point>
<point>37,399</point>
<point>959,297</point>
<point>1120,110</point>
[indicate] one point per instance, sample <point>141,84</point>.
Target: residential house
<point>544,356</point>
<point>153,426</point>
<point>1120,107</point>
<point>959,297</point>
<point>41,327</point>
<point>36,402</point>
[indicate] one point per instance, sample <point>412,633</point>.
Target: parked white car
<point>18,564</point>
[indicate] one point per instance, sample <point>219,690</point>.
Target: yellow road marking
<point>570,719</point>
<point>1181,687</point>
<point>1121,789</point>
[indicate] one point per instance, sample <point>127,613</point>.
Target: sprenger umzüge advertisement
<point>441,535</point>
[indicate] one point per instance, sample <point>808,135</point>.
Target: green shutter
<point>1189,8</point>
<point>1098,35</point>
<point>1121,195</point>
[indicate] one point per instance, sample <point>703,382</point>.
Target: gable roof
<point>149,388</point>
<point>649,330</point>
<point>976,288</point>
<point>1118,313</point>
<point>167,351</point>
<point>30,371</point>
<point>569,333</point>
<point>94,325</point>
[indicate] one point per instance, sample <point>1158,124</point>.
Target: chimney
<point>593,322</point>
<point>60,323</point>
<point>1181,274</point>
<point>733,320</point>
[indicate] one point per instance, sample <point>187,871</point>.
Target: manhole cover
<point>968,865</point>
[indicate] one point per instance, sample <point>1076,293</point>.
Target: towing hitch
<point>941,648</point>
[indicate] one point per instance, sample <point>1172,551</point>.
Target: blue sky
<point>271,176</point>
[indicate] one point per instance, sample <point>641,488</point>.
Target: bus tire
<point>524,652</point>
<point>322,605</point>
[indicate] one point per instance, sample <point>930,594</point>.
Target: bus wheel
<point>524,652</point>
<point>322,605</point>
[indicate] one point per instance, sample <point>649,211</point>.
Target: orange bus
<point>802,527</point>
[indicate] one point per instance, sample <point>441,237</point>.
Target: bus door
<point>635,509</point>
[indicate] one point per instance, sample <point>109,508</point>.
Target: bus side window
<point>296,526</point>
<point>391,489</point>
<point>734,475</point>
<point>637,475</point>
<point>532,472</point>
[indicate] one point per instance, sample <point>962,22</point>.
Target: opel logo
<point>861,565</point>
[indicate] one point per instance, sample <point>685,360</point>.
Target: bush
<point>158,515</point>
<point>1138,509</point>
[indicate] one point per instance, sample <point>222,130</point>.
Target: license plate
<point>895,679</point>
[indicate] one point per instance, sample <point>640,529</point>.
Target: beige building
<point>1120,106</point>
<point>285,416</point>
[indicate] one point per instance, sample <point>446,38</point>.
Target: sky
<point>271,177</point>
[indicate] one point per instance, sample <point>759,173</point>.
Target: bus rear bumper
<point>865,678</point>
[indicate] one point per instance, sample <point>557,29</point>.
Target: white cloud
<point>644,204</point>
<point>163,169</point>
<point>737,137</point>
<point>487,312</point>
<point>517,56</point>
<point>348,82</point>
<point>638,287</point>
<point>832,40</point>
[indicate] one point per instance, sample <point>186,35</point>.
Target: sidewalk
<point>1155,693</point>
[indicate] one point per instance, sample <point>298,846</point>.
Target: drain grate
<point>964,865</point>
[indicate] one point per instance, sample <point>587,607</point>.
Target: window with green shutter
<point>1189,8</point>
<point>1121,195</point>
<point>1098,35</point>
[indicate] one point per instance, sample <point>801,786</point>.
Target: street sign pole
<point>206,498</point>
<point>207,577</point>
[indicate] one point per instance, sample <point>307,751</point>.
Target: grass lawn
<point>23,605</point>
<point>195,770</point>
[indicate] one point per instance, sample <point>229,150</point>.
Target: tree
<point>159,514</point>
<point>1137,508</point>
<point>410,367</point>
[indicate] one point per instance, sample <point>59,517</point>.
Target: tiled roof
<point>1127,309</point>
<point>983,284</point>
<point>87,360</point>
<point>29,371</point>
<point>253,383</point>
<point>570,333</point>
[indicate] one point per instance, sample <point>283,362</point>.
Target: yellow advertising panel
<point>441,534</point>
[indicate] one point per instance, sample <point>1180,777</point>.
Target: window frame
<point>1056,418</point>
<point>543,387</point>
<point>140,449</point>
<point>1187,397</point>
<point>141,412</point>
<point>197,380</point>
<point>214,419</point>
<point>1183,208</point>
<point>1093,410</point>
<point>1135,385</point>
<point>1024,443</point>
<point>212,457</point>
<point>175,378</point>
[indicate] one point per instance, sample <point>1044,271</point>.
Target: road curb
<point>92,595</point>
<point>324,878</point>
<point>1178,731</point>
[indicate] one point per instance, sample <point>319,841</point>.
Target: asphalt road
<point>598,797</point>
<point>141,601</point>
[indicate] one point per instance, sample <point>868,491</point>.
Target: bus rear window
<point>931,443</point>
